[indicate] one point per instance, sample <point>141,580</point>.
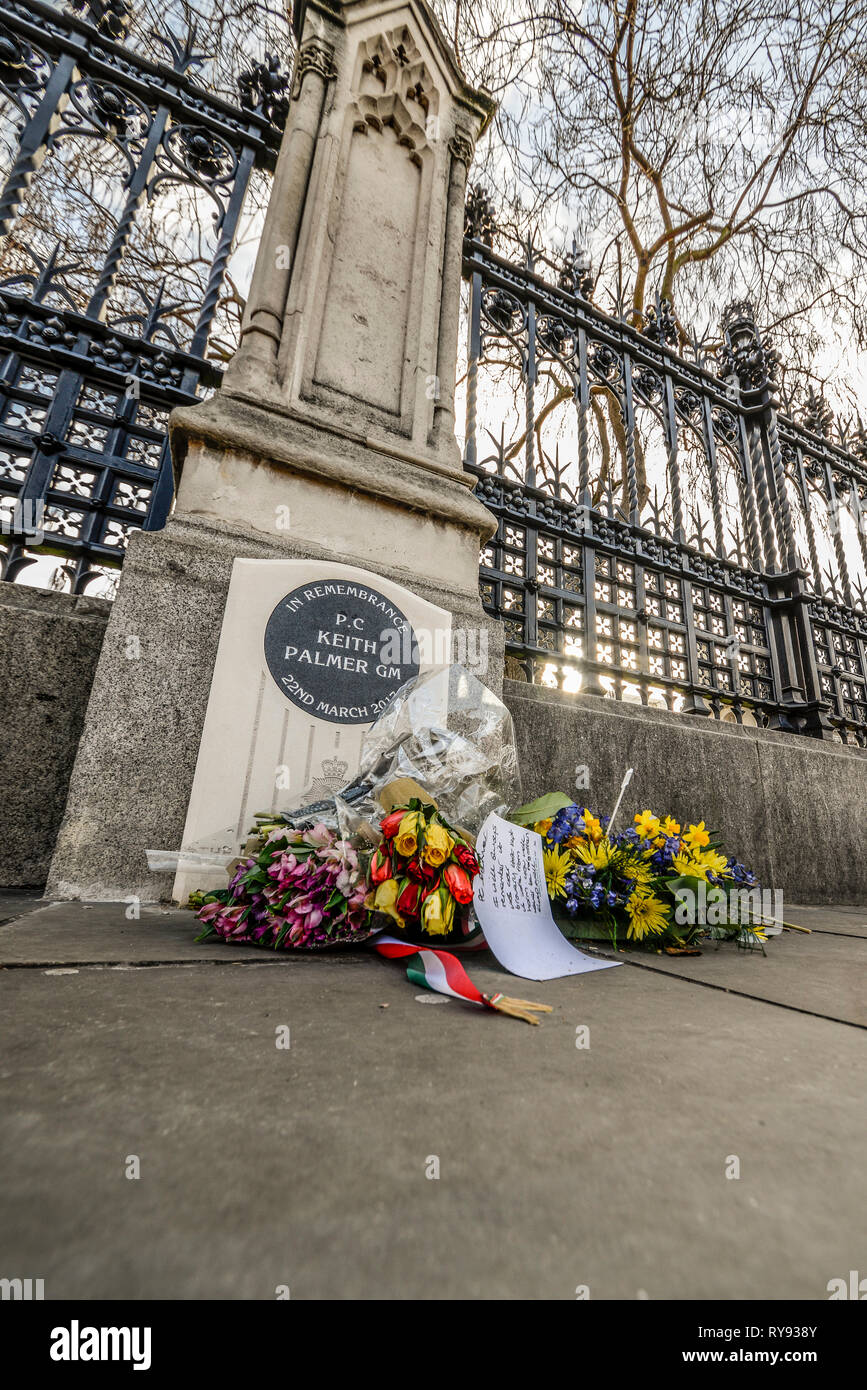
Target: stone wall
<point>793,808</point>
<point>49,645</point>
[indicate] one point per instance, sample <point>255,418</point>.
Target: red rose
<point>380,867</point>
<point>408,902</point>
<point>389,826</point>
<point>458,882</point>
<point>465,857</point>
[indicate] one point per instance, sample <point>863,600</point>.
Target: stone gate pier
<point>332,440</point>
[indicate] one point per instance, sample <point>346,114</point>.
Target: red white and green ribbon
<point>443,973</point>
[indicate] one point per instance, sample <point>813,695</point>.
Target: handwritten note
<point>511,903</point>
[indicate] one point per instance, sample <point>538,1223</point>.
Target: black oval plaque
<point>340,650</point>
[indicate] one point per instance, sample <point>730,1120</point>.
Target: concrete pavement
<point>311,1166</point>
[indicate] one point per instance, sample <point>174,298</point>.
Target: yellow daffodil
<point>406,840</point>
<point>670,827</point>
<point>647,825</point>
<point>438,845</point>
<point>592,828</point>
<point>543,826</point>
<point>696,836</point>
<point>556,865</point>
<point>646,915</point>
<point>597,855</point>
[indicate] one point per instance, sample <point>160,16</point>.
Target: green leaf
<point>541,809</point>
<point>684,881</point>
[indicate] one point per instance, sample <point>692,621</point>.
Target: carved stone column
<point>263,318</point>
<point>333,436</point>
<point>340,401</point>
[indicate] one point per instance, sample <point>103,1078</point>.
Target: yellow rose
<point>438,845</point>
<point>385,900</point>
<point>406,840</point>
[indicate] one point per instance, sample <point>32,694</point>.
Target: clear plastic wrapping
<point>451,734</point>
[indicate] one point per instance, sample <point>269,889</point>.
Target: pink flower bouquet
<point>303,889</point>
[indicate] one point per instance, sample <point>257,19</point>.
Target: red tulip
<point>408,902</point>
<point>380,867</point>
<point>390,825</point>
<point>467,860</point>
<point>458,882</point>
<point>423,873</point>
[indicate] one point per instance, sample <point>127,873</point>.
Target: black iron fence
<point>684,545</point>
<point>88,376</point>
<point>677,541</point>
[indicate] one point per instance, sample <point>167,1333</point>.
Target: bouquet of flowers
<point>655,883</point>
<point>299,888</point>
<point>422,873</point>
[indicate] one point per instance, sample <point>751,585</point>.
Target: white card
<point>511,903</point>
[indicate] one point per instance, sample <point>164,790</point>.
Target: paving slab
<point>558,1166</point>
<point>14,902</point>
<point>840,921</point>
<point>819,974</point>
<point>63,933</point>
<point>823,973</point>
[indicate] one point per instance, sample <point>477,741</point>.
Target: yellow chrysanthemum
<point>686,863</point>
<point>712,861</point>
<point>696,836</point>
<point>597,855</point>
<point>647,915</point>
<point>647,825</point>
<point>756,930</point>
<point>699,865</point>
<point>556,865</point>
<point>642,874</point>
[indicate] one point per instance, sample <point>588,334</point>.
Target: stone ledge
<point>54,602</point>
<point>703,724</point>
<point>793,808</point>
<point>418,483</point>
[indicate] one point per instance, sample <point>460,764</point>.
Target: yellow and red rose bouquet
<point>422,873</point>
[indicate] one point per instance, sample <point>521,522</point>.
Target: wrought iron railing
<point>695,550</point>
<point>682,543</point>
<point>86,385</point>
